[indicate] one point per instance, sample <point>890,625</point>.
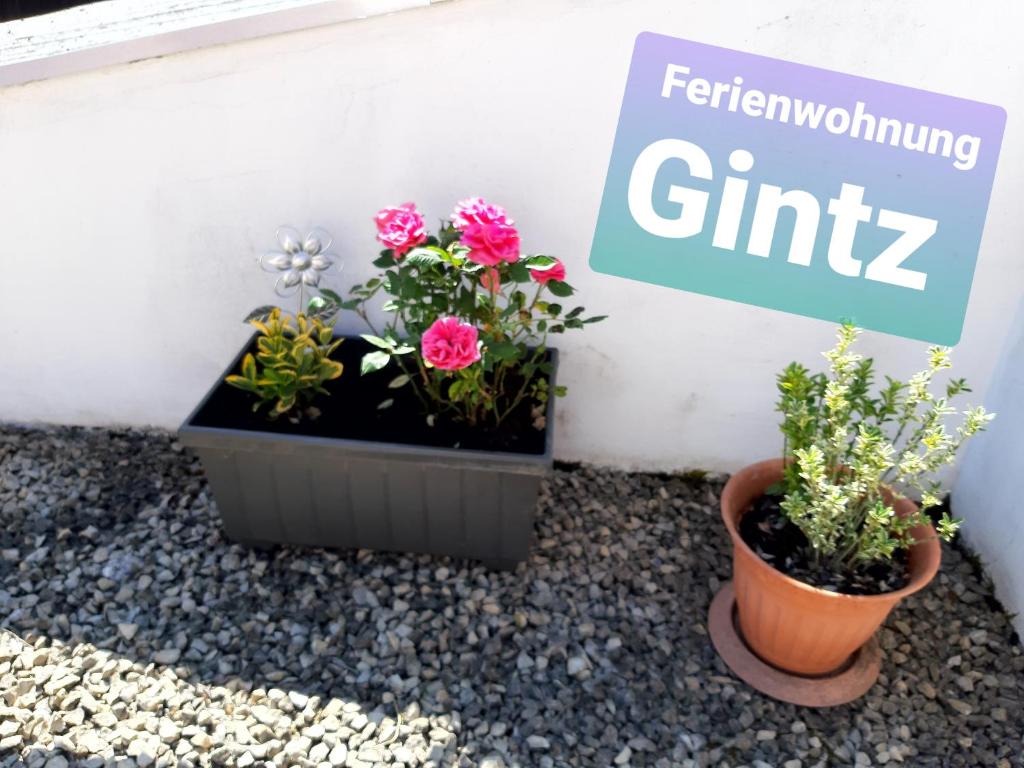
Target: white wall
<point>135,200</point>
<point>987,491</point>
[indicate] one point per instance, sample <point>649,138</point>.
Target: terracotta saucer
<point>847,683</point>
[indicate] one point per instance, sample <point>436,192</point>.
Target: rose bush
<point>469,313</point>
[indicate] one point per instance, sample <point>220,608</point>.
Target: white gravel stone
<point>405,755</point>
<point>338,755</point>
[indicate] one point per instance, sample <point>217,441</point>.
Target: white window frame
<point>121,31</point>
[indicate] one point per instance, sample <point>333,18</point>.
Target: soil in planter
<point>351,412</point>
<point>782,545</point>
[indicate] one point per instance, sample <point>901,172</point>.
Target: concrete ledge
<point>121,31</point>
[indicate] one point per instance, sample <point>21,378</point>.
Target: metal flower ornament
<point>300,261</point>
<point>299,265</point>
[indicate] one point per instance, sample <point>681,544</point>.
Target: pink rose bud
<point>490,279</point>
<point>475,210</point>
<point>400,228</point>
<point>556,272</point>
<point>450,345</point>
<point>491,244</point>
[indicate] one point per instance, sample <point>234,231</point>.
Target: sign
<point>797,188</point>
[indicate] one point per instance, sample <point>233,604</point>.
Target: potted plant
<point>825,543</point>
<point>429,434</point>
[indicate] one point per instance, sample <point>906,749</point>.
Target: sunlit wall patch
<point>797,188</point>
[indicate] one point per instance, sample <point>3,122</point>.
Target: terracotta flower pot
<point>794,626</point>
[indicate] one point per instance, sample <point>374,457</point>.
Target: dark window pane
<point>19,9</point>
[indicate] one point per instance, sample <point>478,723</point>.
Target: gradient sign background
<point>798,157</point>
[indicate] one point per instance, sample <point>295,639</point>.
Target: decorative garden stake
<point>440,445</point>
<point>825,545</point>
<point>299,262</point>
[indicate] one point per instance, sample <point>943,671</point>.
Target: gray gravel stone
<point>538,742</point>
<point>140,636</point>
<point>167,656</point>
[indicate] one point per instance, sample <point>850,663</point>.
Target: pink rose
<point>400,228</point>
<point>491,280</point>
<point>556,272</point>
<point>475,210</point>
<point>491,244</point>
<point>450,345</point>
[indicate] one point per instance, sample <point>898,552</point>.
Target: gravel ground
<point>139,636</point>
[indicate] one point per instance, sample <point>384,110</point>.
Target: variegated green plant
<point>844,444</point>
<point>291,364</point>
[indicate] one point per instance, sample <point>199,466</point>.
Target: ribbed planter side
<point>384,503</point>
<point>792,625</point>
<point>273,488</point>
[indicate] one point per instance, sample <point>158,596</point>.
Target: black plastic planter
<point>274,488</point>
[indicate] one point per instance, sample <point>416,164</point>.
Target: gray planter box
<point>339,493</point>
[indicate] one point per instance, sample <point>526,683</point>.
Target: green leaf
<point>559,288</point>
<point>385,404</point>
<point>330,295</point>
<point>373,361</point>
<point>540,263</point>
<point>242,383</point>
<point>503,350</point>
<point>260,313</point>
<point>519,273</point>
<point>377,341</point>
<point>249,367</point>
<point>574,313</point>
<point>410,286</point>
<point>398,381</point>
<point>554,309</point>
<point>403,349</point>
<point>386,259</point>
<point>595,319</point>
<point>422,257</point>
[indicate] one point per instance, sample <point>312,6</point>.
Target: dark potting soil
<point>351,412</point>
<point>782,545</point>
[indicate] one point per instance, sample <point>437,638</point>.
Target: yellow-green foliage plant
<point>845,445</point>
<point>291,364</point>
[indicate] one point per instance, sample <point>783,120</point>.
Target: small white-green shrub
<point>844,444</point>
